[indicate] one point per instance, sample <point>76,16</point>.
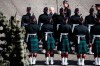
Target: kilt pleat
<point>50,43</point>
<point>33,44</point>
<point>65,46</point>
<point>82,47</point>
<point>96,47</point>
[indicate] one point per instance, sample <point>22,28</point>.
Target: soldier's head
<point>28,9</point>
<point>33,19</point>
<point>91,11</point>
<point>52,10</point>
<point>65,3</point>
<point>76,11</point>
<point>61,11</point>
<point>45,10</point>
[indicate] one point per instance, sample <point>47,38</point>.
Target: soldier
<point>43,16</point>
<point>90,21</point>
<point>95,36</point>
<point>81,39</point>
<point>60,19</point>
<point>41,21</point>
<point>75,18</point>
<point>65,35</point>
<point>49,42</point>
<point>26,18</point>
<point>32,30</point>
<point>67,9</point>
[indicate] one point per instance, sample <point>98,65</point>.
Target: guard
<point>65,35</point>
<point>48,41</point>
<point>32,30</point>
<point>95,36</point>
<point>81,36</point>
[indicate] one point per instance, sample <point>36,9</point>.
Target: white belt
<point>79,36</point>
<point>58,26</point>
<point>46,34</point>
<point>62,35</point>
<point>89,26</point>
<point>95,36</point>
<point>74,26</point>
<point>30,35</point>
<point>41,25</point>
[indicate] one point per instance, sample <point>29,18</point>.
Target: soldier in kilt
<point>65,35</point>
<point>32,30</point>
<point>41,21</point>
<point>60,20</point>
<point>90,21</point>
<point>95,36</point>
<point>48,41</point>
<point>81,39</point>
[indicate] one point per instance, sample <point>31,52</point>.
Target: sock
<point>84,56</point>
<point>79,56</point>
<point>66,55</point>
<point>51,54</point>
<point>47,54</point>
<point>62,55</point>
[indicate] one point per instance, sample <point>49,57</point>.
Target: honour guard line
<point>52,30</point>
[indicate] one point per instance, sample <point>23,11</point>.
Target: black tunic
<point>32,28</point>
<point>90,19</point>
<point>26,19</point>
<point>74,19</point>
<point>42,18</point>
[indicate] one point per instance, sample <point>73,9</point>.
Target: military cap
<point>97,6</point>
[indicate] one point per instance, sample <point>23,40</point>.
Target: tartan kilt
<point>33,44</point>
<point>96,46</point>
<point>82,47</point>
<point>50,43</point>
<point>65,46</point>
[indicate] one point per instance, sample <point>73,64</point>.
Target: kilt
<point>65,46</point>
<point>82,47</point>
<point>50,43</point>
<point>33,44</point>
<point>96,46</point>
